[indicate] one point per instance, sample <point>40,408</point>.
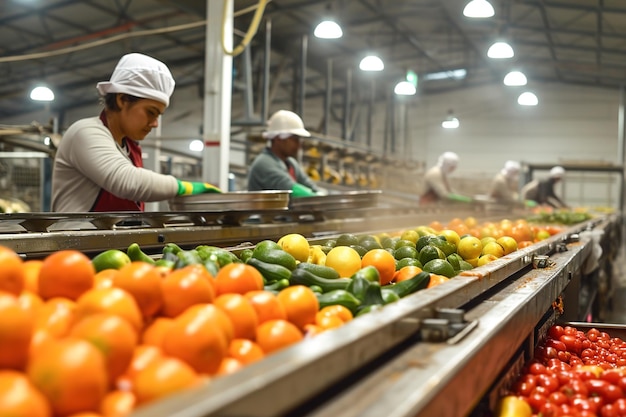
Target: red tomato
<point>555,332</point>
<point>537,369</point>
<point>549,382</point>
<point>584,404</point>
<point>557,398</point>
<point>537,401</point>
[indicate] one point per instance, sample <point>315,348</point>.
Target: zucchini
<point>409,286</point>
<point>271,272</point>
<point>135,253</point>
<point>303,277</point>
<point>338,297</point>
<point>319,270</point>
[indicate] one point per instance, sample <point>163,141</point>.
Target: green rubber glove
<point>299,190</point>
<point>459,197</point>
<point>193,188</point>
<point>530,203</point>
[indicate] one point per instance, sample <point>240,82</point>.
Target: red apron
<point>109,202</point>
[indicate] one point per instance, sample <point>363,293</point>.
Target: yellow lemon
<point>469,247</point>
<point>508,243</point>
<point>485,259</point>
<point>296,245</point>
<point>410,235</point>
<point>451,236</point>
<point>343,259</point>
<point>493,248</point>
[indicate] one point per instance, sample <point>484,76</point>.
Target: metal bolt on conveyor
<point>448,325</point>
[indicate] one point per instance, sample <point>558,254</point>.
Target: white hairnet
<point>448,161</point>
<point>511,168</point>
<point>557,172</point>
<point>140,76</point>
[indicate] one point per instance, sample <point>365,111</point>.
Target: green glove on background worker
<point>299,190</point>
<point>193,188</point>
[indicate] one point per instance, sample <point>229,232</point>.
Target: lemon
<point>508,243</point>
<point>493,248</point>
<point>485,259</point>
<point>296,245</point>
<point>343,259</point>
<point>451,236</point>
<point>410,235</point>
<point>469,247</point>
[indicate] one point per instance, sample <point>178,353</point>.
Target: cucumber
<point>277,286</point>
<point>271,272</point>
<point>110,259</point>
<point>303,277</point>
<point>340,297</point>
<point>409,286</point>
<point>274,256</point>
<point>319,270</point>
<point>135,253</point>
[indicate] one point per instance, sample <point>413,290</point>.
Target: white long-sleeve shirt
<point>89,159</point>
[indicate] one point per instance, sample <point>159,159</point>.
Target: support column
<point>217,95</point>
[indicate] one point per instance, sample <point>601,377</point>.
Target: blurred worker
<point>276,167</point>
<point>505,185</point>
<point>542,191</point>
<point>98,165</point>
<point>436,180</point>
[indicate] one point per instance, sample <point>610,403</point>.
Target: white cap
<point>511,168</point>
<point>285,123</point>
<point>448,161</point>
<point>140,76</point>
<point>557,172</point>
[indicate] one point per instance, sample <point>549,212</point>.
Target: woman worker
<point>98,165</point>
<point>276,167</point>
<point>436,181</point>
<point>504,187</point>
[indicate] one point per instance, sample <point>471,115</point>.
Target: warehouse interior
<point>453,350</point>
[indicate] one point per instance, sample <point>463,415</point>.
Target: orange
<point>154,334</point>
<point>71,373</point>
<point>524,244</point>
<point>275,335</point>
<point>30,302</point>
<point>85,414</point>
<point>113,336</point>
<point>521,232</point>
<point>31,274</point>
<point>143,355</point>
<point>241,313</point>
<point>336,310</point>
<point>435,225</point>
<point>238,278</point>
<point>186,287</point>
<point>117,403</point>
<point>12,271</point>
<point>109,300</point>
<point>312,330</point>
<point>383,261</point>
<point>436,280</point>
<point>406,272</point>
<point>245,351</point>
<point>19,398</point>
<point>143,282</point>
<point>200,337</point>
<point>266,305</point>
<point>56,316</point>
<point>66,273</point>
<point>104,278</point>
<point>328,322</point>
<point>16,330</point>
<point>228,366</point>
<point>300,303</point>
<point>343,259</point>
<point>163,377</point>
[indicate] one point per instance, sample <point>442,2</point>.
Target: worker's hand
<point>459,197</point>
<point>530,203</point>
<point>299,190</point>
<point>193,188</point>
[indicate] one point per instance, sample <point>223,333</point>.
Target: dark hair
<point>110,100</point>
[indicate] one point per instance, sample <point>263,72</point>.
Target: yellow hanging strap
<point>254,26</point>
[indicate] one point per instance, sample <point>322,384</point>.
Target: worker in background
<point>276,167</point>
<point>98,165</point>
<point>436,181</point>
<point>542,191</point>
<point>505,185</point>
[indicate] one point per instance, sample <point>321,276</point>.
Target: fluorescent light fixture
<point>515,79</point>
<point>450,122</point>
<point>196,145</point>
<point>457,74</point>
<point>328,29</point>
<point>41,93</point>
<point>527,99</point>
<point>500,50</point>
<point>372,63</point>
<point>405,88</point>
<point>478,9</point>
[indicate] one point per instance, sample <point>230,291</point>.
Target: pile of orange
<point>76,341</point>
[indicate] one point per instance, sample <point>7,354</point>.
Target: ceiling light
<point>41,93</point>
<point>405,88</point>
<point>527,99</point>
<point>515,79</point>
<point>500,50</point>
<point>457,74</point>
<point>478,9</point>
<point>196,145</point>
<point>371,63</point>
<point>450,122</point>
<point>328,29</point>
